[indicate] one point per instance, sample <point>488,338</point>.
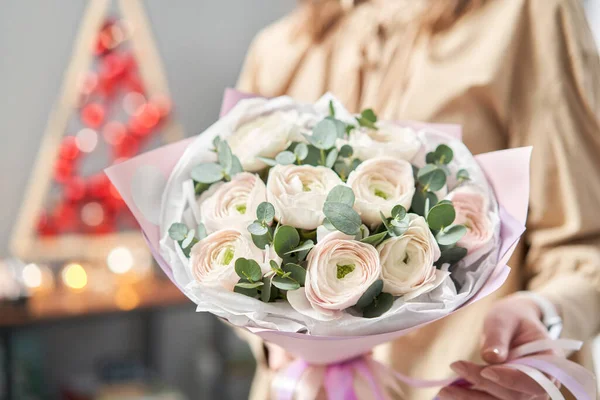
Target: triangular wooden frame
<point>25,242</point>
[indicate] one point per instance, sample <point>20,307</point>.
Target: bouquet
<point>328,233</point>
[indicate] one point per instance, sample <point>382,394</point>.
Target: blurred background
<point>84,313</point>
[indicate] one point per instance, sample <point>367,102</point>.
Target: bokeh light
<point>74,276</point>
<point>120,260</point>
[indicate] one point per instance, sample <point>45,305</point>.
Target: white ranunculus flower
<point>338,272</point>
<point>407,260</point>
<point>233,204</point>
<point>265,136</point>
<point>212,259</point>
<point>379,184</point>
<point>298,193</point>
<point>390,139</point>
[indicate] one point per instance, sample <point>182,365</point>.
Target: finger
<point>473,374</point>
<point>498,331</point>
<point>512,379</point>
<point>455,393</point>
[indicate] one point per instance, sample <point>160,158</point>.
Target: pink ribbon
<point>338,380</point>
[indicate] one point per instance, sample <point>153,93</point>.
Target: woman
<point>512,73</point>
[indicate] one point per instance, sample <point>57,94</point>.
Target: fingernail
<point>493,352</point>
<point>447,394</point>
<point>459,368</point>
<point>490,375</point>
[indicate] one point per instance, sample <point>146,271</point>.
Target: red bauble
<point>68,148</point>
<point>137,128</point>
<point>65,217</point>
<point>74,189</point>
<point>134,83</point>
<point>162,103</point>
<point>63,170</point>
<point>98,186</point>
<point>46,226</point>
<point>127,148</point>
<point>114,132</point>
<point>93,115</point>
<point>113,66</point>
<point>149,116</point>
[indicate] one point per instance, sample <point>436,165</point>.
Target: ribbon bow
<point>303,381</point>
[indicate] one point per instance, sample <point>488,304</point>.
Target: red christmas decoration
<point>90,203</point>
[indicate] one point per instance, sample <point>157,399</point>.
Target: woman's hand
<point>511,322</point>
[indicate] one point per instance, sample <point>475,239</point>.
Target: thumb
<point>498,332</point>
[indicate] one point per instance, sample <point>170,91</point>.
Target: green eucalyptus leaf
<point>340,127</point>
<point>296,272</point>
<point>341,194</point>
<point>274,265</point>
<point>216,142</point>
<point>307,245</point>
<point>331,158</point>
<point>440,216</point>
<point>225,156</point>
<point>257,229</point>
<point>343,217</point>
<point>370,294</point>
<point>444,154</point>
<point>462,175</point>
<point>369,115</point>
<point>265,292</point>
<point>376,239</point>
<point>269,161</point>
<point>261,241</point>
<point>265,212</point>
<point>331,109</point>
<point>328,225</point>
<point>398,212</point>
<point>286,239</point>
<point>445,202</point>
<point>430,158</point>
<point>285,158</point>
<point>451,235</point>
<point>248,269</point>
<point>178,231</point>
<point>346,151</point>
<point>286,283</point>
<point>349,128</point>
<point>201,231</point>
<point>452,255</point>
<point>399,226</point>
<point>207,173</point>
<point>354,164</point>
<point>379,306</point>
<point>432,177</point>
<point>342,169</point>
<point>249,285</point>
<point>301,151</point>
<point>246,292</point>
<point>236,166</point>
<point>324,135</point>
<point>185,243</point>
<point>418,201</point>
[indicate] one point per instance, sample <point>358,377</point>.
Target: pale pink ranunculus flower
<point>407,260</point>
<point>264,136</point>
<point>379,184</point>
<point>233,204</point>
<point>212,259</point>
<point>298,193</point>
<point>390,139</point>
<point>471,206</point>
<point>338,272</point>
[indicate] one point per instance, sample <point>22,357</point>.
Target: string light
<point>86,140</point>
<point>92,214</point>
<point>120,260</point>
<point>74,276</point>
<point>126,298</point>
<point>32,276</point>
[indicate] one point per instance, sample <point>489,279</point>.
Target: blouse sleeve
<point>556,110</point>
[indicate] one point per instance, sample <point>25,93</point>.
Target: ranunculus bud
<point>380,184</point>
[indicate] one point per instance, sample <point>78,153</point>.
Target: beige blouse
<point>512,73</point>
